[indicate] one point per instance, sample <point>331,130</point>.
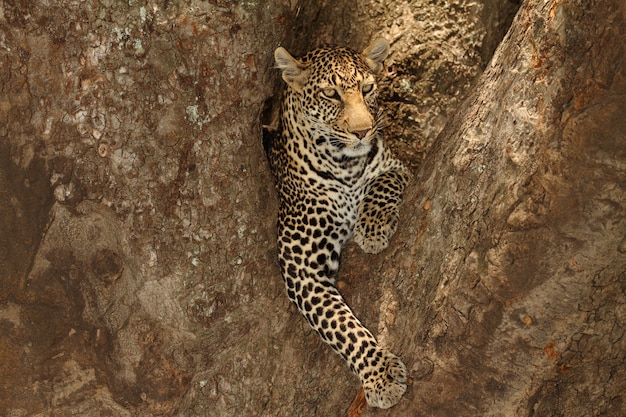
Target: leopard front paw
<point>385,387</point>
<point>373,234</point>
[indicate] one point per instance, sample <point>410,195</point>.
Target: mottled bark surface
<point>137,256</point>
<point>138,264</point>
<point>519,243</point>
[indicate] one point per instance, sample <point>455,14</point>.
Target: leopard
<point>336,181</point>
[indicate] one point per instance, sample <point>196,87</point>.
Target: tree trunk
<point>511,269</point>
<point>138,269</point>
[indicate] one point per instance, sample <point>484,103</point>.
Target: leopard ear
<point>376,53</point>
<point>294,72</point>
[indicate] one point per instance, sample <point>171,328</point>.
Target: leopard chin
<point>360,149</point>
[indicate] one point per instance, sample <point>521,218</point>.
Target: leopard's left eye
<point>367,88</point>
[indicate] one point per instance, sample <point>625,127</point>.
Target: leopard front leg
<point>378,213</point>
<point>309,259</point>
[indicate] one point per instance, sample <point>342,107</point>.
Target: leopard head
<point>334,89</point>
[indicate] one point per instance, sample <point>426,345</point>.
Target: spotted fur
<point>336,180</point>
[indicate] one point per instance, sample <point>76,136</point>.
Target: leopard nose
<point>360,133</point>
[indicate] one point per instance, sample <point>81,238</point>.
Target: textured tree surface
<point>138,272</point>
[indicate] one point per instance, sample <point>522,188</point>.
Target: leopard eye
<point>367,88</point>
<point>330,93</point>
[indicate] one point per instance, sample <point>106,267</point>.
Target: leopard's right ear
<point>294,72</point>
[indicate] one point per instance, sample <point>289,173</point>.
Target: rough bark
<point>517,257</point>
<point>137,258</point>
<point>137,250</point>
